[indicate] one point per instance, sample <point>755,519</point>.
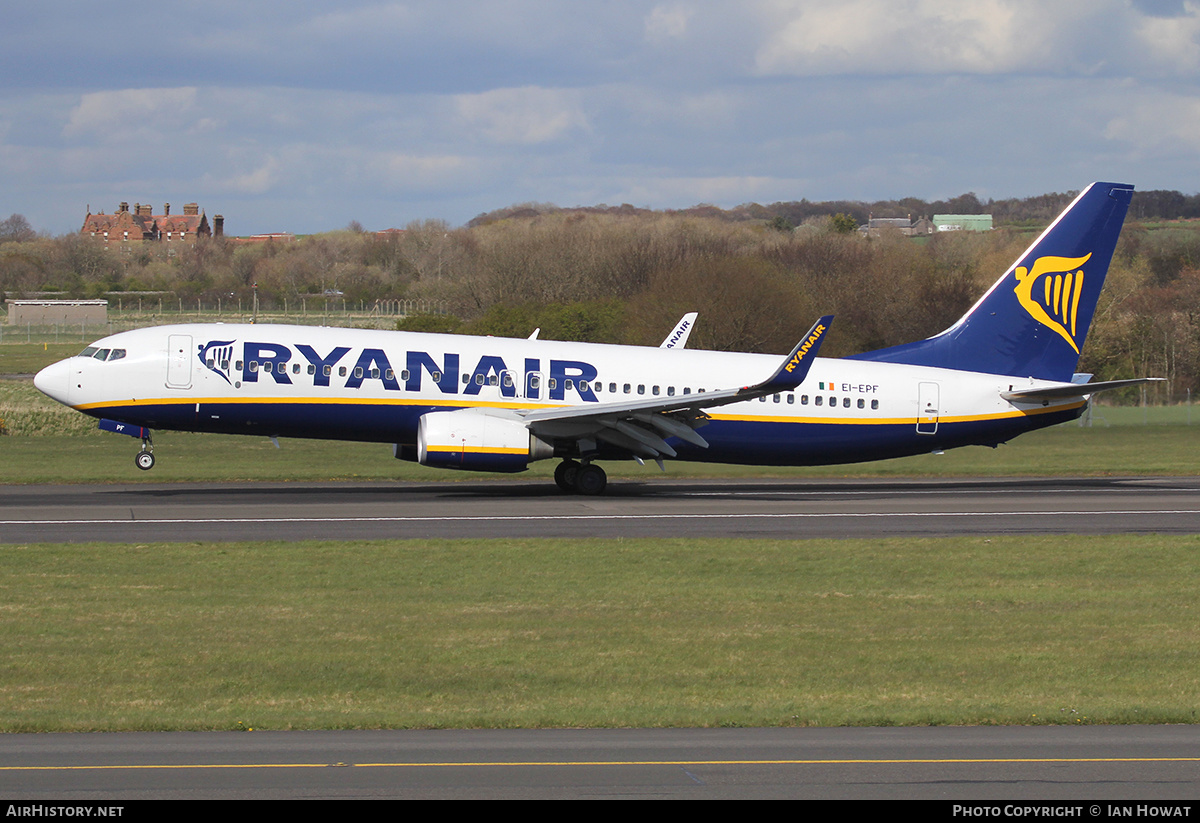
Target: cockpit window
<point>116,354</point>
<point>88,352</point>
<point>101,355</point>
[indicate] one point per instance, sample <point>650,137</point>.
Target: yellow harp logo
<point>1055,303</point>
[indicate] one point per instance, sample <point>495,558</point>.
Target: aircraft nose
<point>54,381</point>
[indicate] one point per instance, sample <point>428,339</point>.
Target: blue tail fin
<point>1033,321</point>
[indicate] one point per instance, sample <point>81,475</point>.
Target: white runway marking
<point>550,517</point>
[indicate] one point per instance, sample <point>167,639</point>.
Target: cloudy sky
<point>292,115</point>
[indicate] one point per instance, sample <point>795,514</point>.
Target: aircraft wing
<point>641,426</point>
<point>1069,390</point>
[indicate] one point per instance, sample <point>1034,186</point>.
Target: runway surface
<point>1085,765</point>
<point>507,508</point>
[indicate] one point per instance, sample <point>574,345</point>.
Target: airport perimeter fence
<point>124,315</point>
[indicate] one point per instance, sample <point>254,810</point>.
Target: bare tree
<point>16,229</point>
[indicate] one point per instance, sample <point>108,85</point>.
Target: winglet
<point>794,369</point>
<point>678,337</point>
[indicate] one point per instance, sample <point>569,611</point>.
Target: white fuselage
<point>352,384</point>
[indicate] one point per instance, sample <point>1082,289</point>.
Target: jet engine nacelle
<point>477,440</point>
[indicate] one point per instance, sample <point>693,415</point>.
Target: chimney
<point>124,207</point>
<point>191,209</point>
<point>166,209</point>
<point>143,210</point>
<point>219,226</point>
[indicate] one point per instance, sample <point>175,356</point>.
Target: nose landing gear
<point>145,458</point>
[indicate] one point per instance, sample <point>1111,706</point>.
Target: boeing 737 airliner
<point>496,404</point>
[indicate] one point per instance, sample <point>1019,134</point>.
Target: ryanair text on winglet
<point>805,347</point>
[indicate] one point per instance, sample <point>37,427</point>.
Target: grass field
<point>599,633</point>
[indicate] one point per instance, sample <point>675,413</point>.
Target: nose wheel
<point>144,459</point>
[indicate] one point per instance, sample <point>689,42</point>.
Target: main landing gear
<point>580,478</point>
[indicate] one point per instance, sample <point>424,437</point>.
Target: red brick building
<point>141,225</point>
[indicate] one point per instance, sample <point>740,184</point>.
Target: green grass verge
<point>107,458</point>
<point>598,633</point>
<point>30,358</point>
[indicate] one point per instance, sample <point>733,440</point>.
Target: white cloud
<point>667,191</point>
<point>523,116</point>
<point>1172,43</point>
<point>1158,124</point>
<point>897,37</point>
<point>258,181</point>
<point>125,112</point>
<point>667,22</point>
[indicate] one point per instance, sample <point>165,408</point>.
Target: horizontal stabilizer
<point>1070,390</point>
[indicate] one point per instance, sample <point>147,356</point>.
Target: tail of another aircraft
<point>1033,321</point>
